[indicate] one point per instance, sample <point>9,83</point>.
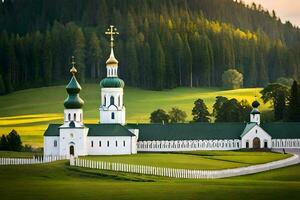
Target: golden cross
<point>73,69</point>
<point>111,31</point>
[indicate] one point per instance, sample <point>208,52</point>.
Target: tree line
<point>162,44</point>
<point>283,95</point>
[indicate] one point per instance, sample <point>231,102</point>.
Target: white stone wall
<point>49,148</point>
<point>188,145</point>
<point>286,143</point>
<point>106,109</point>
<point>111,145</point>
<point>76,137</point>
<point>256,132</point>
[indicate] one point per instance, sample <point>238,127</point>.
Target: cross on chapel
<point>111,31</point>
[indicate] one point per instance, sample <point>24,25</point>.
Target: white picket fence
<point>182,173</point>
<point>33,160</point>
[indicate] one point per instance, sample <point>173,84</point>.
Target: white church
<point>112,136</point>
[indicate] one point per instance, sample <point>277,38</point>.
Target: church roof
<point>282,130</point>
<point>94,130</point>
<point>192,131</point>
<point>248,127</point>
<point>108,130</point>
<point>52,130</point>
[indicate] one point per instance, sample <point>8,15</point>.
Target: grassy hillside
<point>58,180</point>
<point>30,111</point>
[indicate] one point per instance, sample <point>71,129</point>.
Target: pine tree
<point>93,56</point>
<point>14,141</point>
<point>132,63</point>
<point>200,111</point>
<point>2,86</point>
<point>158,64</point>
<point>294,103</point>
<point>79,53</point>
<point>3,143</point>
<point>48,59</point>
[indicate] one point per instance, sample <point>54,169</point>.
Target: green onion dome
<point>73,101</point>
<point>255,104</point>
<point>112,82</point>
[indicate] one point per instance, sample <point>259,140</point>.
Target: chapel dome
<point>112,82</point>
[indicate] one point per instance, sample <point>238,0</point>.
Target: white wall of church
<point>188,145</point>
<point>51,145</point>
<point>114,145</point>
<point>257,132</point>
<point>76,137</point>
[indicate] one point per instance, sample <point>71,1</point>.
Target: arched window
<point>124,143</point>
<point>69,117</point>
<point>104,103</point>
<point>116,143</point>
<point>112,115</point>
<point>92,143</point>
<point>119,101</point>
<point>108,143</point>
<point>55,143</point>
<point>74,116</point>
<point>112,100</point>
<point>99,143</point>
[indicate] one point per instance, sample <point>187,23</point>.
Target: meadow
<point>30,111</point>
<point>208,160</point>
<point>58,180</point>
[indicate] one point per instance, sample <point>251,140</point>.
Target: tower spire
<point>73,70</point>
<point>112,61</point>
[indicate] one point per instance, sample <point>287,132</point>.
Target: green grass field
<point>60,181</point>
<point>30,111</point>
<point>196,159</point>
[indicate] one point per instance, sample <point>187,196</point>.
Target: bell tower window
<point>112,100</point>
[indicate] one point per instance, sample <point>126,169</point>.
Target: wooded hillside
<point>162,44</point>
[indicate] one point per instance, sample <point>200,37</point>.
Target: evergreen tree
<point>14,141</point>
<point>79,53</point>
<point>2,86</point>
<point>294,103</point>
<point>93,56</point>
<point>158,64</point>
<point>48,59</point>
<point>277,94</point>
<point>200,111</point>
<point>132,63</point>
<point>3,143</point>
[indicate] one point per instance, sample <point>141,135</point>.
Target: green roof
<point>108,130</point>
<point>94,130</point>
<point>280,130</point>
<point>192,131</point>
<point>112,82</point>
<point>73,100</point>
<point>52,130</point>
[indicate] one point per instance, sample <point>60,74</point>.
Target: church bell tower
<point>112,109</point>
